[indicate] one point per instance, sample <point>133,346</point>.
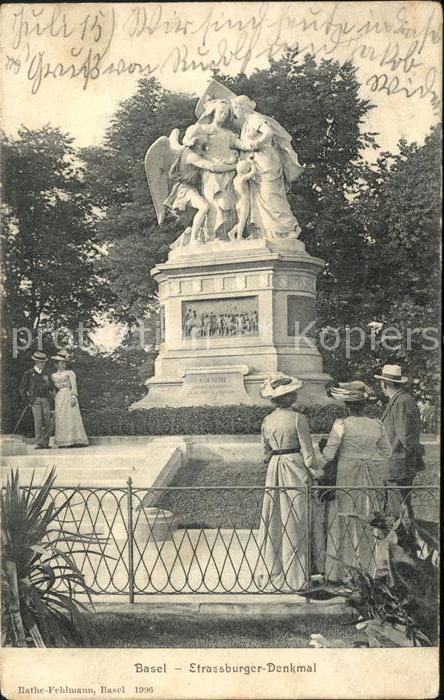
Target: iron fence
<point>229,539</point>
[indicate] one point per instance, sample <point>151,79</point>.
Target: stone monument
<point>238,291</point>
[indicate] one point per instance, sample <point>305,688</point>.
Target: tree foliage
<point>111,381</point>
<point>49,233</point>
<point>52,277</point>
<point>117,183</point>
<point>399,214</point>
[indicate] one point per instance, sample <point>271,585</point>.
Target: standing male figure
<point>36,389</point>
<point>402,423</point>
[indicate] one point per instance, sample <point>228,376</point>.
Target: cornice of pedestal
<point>236,255</point>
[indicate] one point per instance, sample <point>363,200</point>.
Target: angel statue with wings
<point>174,176</point>
<point>200,172</point>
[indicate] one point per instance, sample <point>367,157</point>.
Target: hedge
<point>204,420</point>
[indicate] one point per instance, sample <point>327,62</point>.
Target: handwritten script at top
<point>392,51</point>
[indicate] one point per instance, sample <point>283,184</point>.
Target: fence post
<point>307,542</point>
<point>130,541</point>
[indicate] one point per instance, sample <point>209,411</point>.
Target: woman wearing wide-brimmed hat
<point>363,451</point>
<point>69,430</point>
<point>288,449</point>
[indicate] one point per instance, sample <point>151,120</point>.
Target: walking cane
<point>20,419</point>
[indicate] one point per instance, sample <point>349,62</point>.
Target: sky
<point>71,64</point>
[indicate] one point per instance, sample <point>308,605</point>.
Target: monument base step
<point>101,465</point>
<point>222,386</point>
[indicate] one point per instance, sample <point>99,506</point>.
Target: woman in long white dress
<point>69,430</point>
<point>288,448</point>
<point>363,450</point>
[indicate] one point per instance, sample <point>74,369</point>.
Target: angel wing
<point>213,91</point>
<point>158,161</point>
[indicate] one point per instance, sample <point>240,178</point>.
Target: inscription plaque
<point>215,385</point>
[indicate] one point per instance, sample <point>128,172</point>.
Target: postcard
<point>220,344</point>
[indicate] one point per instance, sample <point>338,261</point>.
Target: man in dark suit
<point>36,390</point>
<point>402,423</point>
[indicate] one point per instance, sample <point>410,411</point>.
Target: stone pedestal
<point>230,314</point>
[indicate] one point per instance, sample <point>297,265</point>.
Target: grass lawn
<point>252,472</point>
<point>242,508</point>
<point>140,630</point>
<point>217,508</point>
<point>221,473</point>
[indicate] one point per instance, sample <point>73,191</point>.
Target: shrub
<point>399,605</point>
<point>38,576</point>
<point>429,418</point>
<point>204,420</point>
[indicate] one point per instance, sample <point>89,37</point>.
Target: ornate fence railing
<point>221,539</point>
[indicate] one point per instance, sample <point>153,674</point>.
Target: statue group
<point>231,169</point>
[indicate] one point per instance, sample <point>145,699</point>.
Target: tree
<point>388,302</point>
<point>50,247</point>
<point>49,234</point>
<point>399,210</point>
<point>117,184</point>
<point>110,381</point>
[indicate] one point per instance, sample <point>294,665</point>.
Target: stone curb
<point>212,608</point>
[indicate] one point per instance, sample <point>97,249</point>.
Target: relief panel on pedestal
<point>220,318</point>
